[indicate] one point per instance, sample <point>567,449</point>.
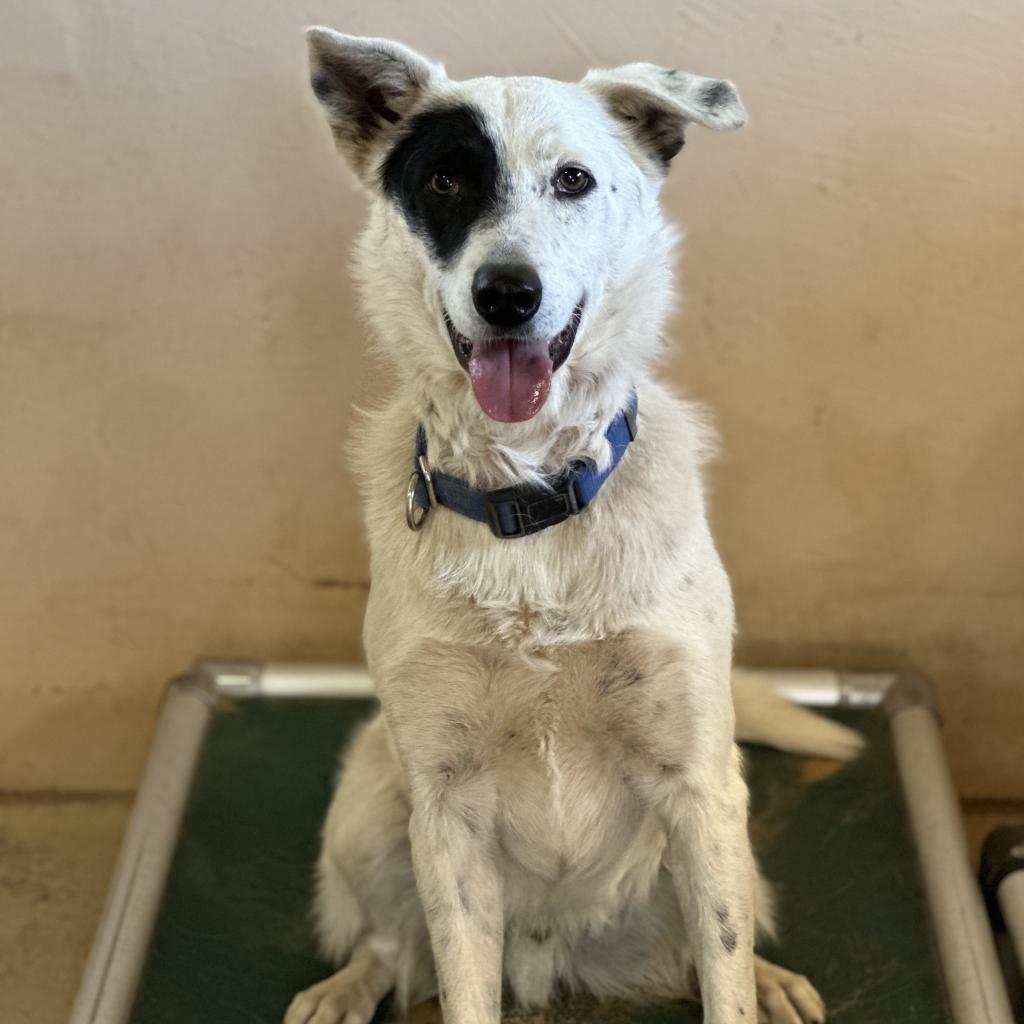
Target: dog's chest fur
<point>555,739</point>
<point>568,819</point>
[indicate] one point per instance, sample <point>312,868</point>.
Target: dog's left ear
<point>657,104</point>
<point>367,87</point>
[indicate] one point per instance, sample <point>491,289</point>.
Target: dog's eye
<point>442,184</point>
<point>572,181</point>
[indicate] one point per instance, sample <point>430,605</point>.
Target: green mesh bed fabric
<point>233,940</point>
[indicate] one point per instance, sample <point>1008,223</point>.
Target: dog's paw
<point>784,997</point>
<point>338,1000</point>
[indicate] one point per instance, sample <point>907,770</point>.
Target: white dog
<point>552,795</point>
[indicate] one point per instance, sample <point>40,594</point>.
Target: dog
<point>552,796</point>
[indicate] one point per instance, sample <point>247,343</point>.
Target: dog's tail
<point>763,715</point>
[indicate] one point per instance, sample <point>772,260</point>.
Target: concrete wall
<point>178,351</point>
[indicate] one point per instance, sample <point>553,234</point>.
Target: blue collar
<point>523,509</point>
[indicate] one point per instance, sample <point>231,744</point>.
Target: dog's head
<point>516,248</point>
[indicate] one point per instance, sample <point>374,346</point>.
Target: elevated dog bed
<point>207,920</point>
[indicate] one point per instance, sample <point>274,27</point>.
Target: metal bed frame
<point>975,985</point>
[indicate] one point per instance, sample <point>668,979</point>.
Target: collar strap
<point>525,508</point>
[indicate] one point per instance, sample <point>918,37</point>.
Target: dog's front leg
<point>443,739</point>
<point>461,891</point>
<point>674,701</point>
<point>712,869</point>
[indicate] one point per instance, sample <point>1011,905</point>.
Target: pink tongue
<point>511,378</point>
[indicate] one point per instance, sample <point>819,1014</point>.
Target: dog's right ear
<point>656,105</point>
<point>367,87</point>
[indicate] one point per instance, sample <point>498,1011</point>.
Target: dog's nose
<point>506,295</point>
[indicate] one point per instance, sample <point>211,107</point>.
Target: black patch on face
<point>714,94</point>
<point>449,140</point>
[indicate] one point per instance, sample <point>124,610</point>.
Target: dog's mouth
<point>511,377</point>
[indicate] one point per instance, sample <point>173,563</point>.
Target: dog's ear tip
<point>323,39</point>
<point>719,105</point>
<point>734,119</point>
<point>320,39</point>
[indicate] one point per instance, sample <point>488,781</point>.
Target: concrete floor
<point>56,856</point>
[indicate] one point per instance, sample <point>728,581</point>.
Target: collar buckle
<point>520,511</point>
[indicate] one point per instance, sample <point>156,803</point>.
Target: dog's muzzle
<point>511,375</point>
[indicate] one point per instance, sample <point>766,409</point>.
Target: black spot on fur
<point>463,896</point>
<point>726,932</point>
<point>714,94</point>
<point>451,140</point>
<point>614,188</point>
<point>540,935</point>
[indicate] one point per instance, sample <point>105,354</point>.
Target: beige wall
<point>178,351</point>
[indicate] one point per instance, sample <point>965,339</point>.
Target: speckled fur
<point>552,794</point>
